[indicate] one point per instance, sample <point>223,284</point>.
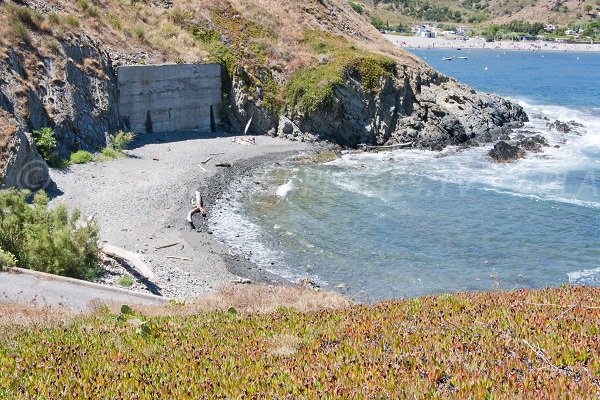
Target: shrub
<point>93,12</point>
<point>45,143</point>
<point>72,21</point>
<point>54,19</point>
<point>7,260</point>
<point>81,157</point>
<point>126,281</point>
<point>21,32</point>
<point>51,241</point>
<point>29,17</point>
<point>83,4</point>
<point>109,152</point>
<point>121,140</point>
<point>359,8</point>
<point>114,21</point>
<point>139,32</point>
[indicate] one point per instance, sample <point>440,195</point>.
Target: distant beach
<point>475,43</point>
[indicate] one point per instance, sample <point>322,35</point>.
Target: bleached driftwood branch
<point>130,257</point>
<point>199,208</point>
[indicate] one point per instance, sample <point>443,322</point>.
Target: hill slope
<point>313,70</point>
<point>524,344</point>
<point>561,12</point>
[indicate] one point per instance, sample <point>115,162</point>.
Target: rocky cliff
<point>418,107</point>
<point>314,70</point>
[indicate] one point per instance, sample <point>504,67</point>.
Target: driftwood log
<point>198,208</point>
<point>133,259</point>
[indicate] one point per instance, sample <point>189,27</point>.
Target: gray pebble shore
<point>141,203</point>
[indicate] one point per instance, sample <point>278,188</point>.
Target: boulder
<point>504,152</point>
<point>533,143</point>
<point>559,126</point>
<point>25,168</point>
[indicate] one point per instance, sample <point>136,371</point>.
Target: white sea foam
<point>585,277</point>
<point>543,176</point>
<point>284,189</point>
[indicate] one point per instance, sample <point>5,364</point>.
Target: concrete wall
<point>169,98</point>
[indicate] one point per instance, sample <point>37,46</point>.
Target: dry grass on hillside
<point>250,299</point>
<point>163,35</point>
<point>244,298</point>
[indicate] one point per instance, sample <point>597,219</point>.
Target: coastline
<point>412,42</point>
<point>141,201</point>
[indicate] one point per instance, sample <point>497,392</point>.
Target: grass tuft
<point>81,157</point>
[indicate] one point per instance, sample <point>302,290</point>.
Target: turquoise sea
<point>410,223</point>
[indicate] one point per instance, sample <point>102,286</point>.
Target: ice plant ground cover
<point>537,344</point>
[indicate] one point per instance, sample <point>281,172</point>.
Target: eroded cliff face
<point>73,91</point>
<point>419,107</point>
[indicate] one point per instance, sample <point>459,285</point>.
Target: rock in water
<point>504,152</point>
<point>559,126</point>
<point>533,143</point>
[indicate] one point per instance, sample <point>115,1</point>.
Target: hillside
<point>314,70</point>
<point>523,344</point>
<point>560,12</point>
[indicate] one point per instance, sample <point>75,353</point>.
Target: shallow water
<point>410,223</point>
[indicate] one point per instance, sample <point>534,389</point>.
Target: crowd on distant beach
<point>477,43</point>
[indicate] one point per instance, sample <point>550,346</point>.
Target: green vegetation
<point>108,152</point>
<point>517,28</point>
<point>359,8</point>
<point>476,12</point>
<point>121,140</point>
<point>313,88</point>
<point>524,344</point>
<point>52,241</point>
<point>72,20</point>
<point>81,157</point>
<point>126,281</point>
<point>45,142</point>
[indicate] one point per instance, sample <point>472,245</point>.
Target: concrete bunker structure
<point>170,97</point>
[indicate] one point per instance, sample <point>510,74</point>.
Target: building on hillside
<point>462,30</point>
<point>524,38</point>
<point>426,30</point>
<point>549,27</point>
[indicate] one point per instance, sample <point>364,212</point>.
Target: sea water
<point>409,222</point>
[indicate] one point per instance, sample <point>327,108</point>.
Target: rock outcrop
<point>504,152</point>
<point>73,92</point>
<point>421,107</point>
<point>20,163</point>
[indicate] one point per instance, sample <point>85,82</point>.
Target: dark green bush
<point>54,241</point>
<point>45,143</point>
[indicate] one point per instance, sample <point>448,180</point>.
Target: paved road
<point>45,290</point>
